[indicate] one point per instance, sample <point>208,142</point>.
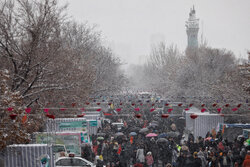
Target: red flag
<point>234,109</point>
<point>186,109</point>
<point>165,115</point>
<point>166,104</point>
<point>107,114</point>
<point>238,105</point>
<point>46,110</point>
<point>10,108</point>
<point>203,110</point>
<point>118,109</point>
<point>152,109</point>
<point>137,109</point>
<point>138,115</point>
<point>193,116</point>
<point>50,116</point>
<point>28,110</point>
<point>13,116</point>
<point>219,110</point>
<point>190,105</point>
<point>99,109</point>
<point>170,109</point>
<point>180,104</point>
<point>98,104</point>
<point>203,105</point>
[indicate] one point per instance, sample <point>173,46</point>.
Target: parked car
<point>73,161</point>
<point>59,150</point>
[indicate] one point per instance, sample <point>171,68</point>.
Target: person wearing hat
<point>197,161</point>
<point>99,161</point>
<point>149,159</point>
<point>201,155</point>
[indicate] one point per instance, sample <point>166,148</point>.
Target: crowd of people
<point>170,146</point>
<point>130,147</point>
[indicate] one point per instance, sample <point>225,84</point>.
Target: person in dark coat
<point>87,153</point>
<point>115,158</point>
<point>165,153</point>
<point>123,158</point>
<point>197,161</point>
<point>181,159</point>
<point>224,160</point>
<point>154,149</point>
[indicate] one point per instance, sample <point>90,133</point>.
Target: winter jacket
<point>140,155</point>
<point>225,161</point>
<point>220,146</point>
<point>246,162</point>
<point>149,159</point>
<point>138,165</point>
<point>181,161</point>
<point>203,160</point>
<point>197,162</point>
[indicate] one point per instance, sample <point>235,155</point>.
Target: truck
<point>232,131</point>
<point>29,155</point>
<point>71,139</point>
<point>204,122</point>
<point>73,124</point>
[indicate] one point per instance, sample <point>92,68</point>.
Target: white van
<point>118,124</point>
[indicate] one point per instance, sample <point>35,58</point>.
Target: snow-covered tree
<point>16,124</point>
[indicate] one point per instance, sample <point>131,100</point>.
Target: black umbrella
<point>153,125</point>
<point>172,134</point>
<point>162,140</point>
<point>119,134</point>
<point>143,130</point>
<point>155,122</point>
<point>134,129</point>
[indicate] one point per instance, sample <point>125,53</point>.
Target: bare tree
<point>29,39</point>
<point>161,68</point>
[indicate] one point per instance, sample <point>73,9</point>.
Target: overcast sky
<point>130,27</point>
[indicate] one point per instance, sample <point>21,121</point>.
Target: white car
<point>73,162</point>
<point>118,124</point>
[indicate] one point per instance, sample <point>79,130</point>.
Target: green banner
<point>92,123</point>
<point>74,124</point>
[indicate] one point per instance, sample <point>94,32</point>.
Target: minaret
<point>192,26</point>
